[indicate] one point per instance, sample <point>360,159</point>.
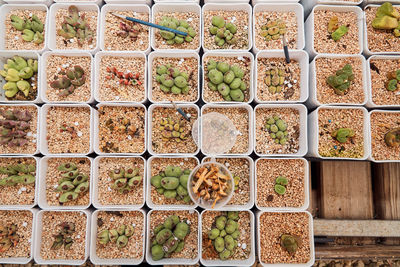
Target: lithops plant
<point>172,183</point>
<point>342,135</point>
<point>67,80</point>
<point>18,174</point>
<point>172,80</point>
<point>13,126</point>
<point>224,32</point>
<point>277,129</point>
<point>280,185</point>
<point>342,79</point>
<point>387,18</point>
<point>18,73</point>
<point>227,80</point>
<point>273,30</point>
<point>72,184</point>
<point>8,237</point>
<point>275,79</point>
<point>64,236</point>
<point>169,237</point>
<point>124,78</point>
<point>335,30</point>
<point>119,236</point>
<point>392,137</point>
<point>290,243</point>
<point>129,30</point>
<point>125,179</point>
<point>172,130</point>
<point>393,82</point>
<point>31,28</point>
<point>180,25</point>
<point>76,26</point>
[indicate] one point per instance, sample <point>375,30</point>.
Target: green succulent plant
<point>69,80</point>
<point>18,174</point>
<point>64,236</point>
<point>119,236</point>
<point>31,28</point>
<point>224,33</point>
<point>13,126</point>
<point>290,243</point>
<point>387,18</point>
<point>277,129</point>
<point>124,180</point>
<point>393,82</point>
<point>280,185</point>
<point>172,130</point>
<point>342,135</point>
<point>180,25</point>
<point>72,184</point>
<point>275,80</point>
<point>172,80</point>
<point>392,137</point>
<point>342,79</point>
<point>273,29</point>
<point>8,237</point>
<point>335,30</point>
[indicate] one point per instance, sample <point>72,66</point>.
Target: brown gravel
<point>240,117</point>
<point>111,220</point>
<point>53,176</point>
<point>23,219</point>
<point>191,249</point>
<point>114,42</point>
<point>290,91</point>
<point>240,253</point>
<point>50,227</point>
<point>158,165</point>
<point>19,194</point>
<point>56,63</point>
<point>63,141</point>
<point>379,40</point>
<point>159,146</point>
<point>267,172</point>
<point>379,71</point>
<point>244,63</point>
<point>272,225</point>
<point>111,90</point>
<point>265,144</point>
<point>109,196</point>
<point>290,19</point>
<point>194,21</point>
<point>32,132</point>
<point>326,67</point>
<point>13,40</point>
<point>239,18</point>
<point>381,123</point>
<point>186,64</point>
<point>330,120</point>
<point>61,43</point>
<point>323,43</point>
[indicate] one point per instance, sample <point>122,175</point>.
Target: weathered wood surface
<point>357,252</point>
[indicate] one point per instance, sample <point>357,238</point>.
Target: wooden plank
<point>364,228</point>
<point>357,252</point>
<point>346,190</point>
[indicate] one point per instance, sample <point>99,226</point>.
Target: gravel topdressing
<point>381,123</point>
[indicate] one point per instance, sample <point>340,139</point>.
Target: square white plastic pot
<point>44,149</point>
<point>175,6</point>
<point>309,26</point>
<point>37,241</point>
<point>309,4</point>
<point>96,141</point>
<point>313,133</point>
<point>43,73</point>
<point>52,29</point>
<point>306,188</point>
<point>313,99</point>
<point>118,261</point>
<point>95,193</point>
<point>311,244</point>
<point>281,7</point>
<point>4,55</point>
<point>146,2</point>
<point>123,54</point>
<point>171,54</point>
<point>228,54</point>
<point>250,203</point>
<point>247,262</point>
<point>42,195</point>
<point>232,6</point>
<point>121,7</point>
<point>302,125</point>
<point>301,57</point>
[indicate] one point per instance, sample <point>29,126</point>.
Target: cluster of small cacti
<point>172,130</point>
<point>335,30</point>
<point>273,29</point>
<point>172,183</point>
<point>228,80</point>
<point>172,79</point>
<point>342,79</point>
<point>18,174</point>
<point>127,78</point>
<point>119,236</point>
<point>72,183</point>
<point>169,237</point>
<point>392,137</point>
<point>290,243</point>
<point>76,26</point>
<point>387,18</point>
<point>14,124</point>
<point>280,185</point>
<point>8,237</point>
<point>277,129</point>
<point>225,234</point>
<point>17,73</point>
<point>275,80</point>
<point>224,32</point>
<point>67,80</point>
<point>393,82</point>
<point>63,238</point>
<point>342,135</point>
<point>180,25</point>
<point>31,28</point>
<point>131,31</point>
<point>122,126</point>
<point>124,180</point>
